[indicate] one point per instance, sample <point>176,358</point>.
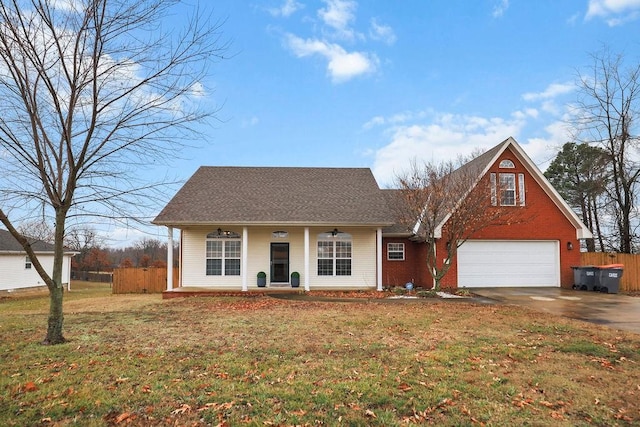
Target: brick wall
<point>539,219</point>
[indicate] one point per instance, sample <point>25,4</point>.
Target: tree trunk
<point>54,326</point>
<point>56,288</point>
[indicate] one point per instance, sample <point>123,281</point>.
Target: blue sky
<point>346,83</point>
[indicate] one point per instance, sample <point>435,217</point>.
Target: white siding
<point>363,265</point>
<point>14,275</point>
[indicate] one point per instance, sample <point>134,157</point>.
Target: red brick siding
<point>540,219</point>
<point>397,273</point>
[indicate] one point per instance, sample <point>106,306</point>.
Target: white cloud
<point>445,138</point>
<point>396,119</point>
<point>197,90</point>
<point>382,32</point>
<point>288,8</point>
<point>335,29</point>
<point>250,122</point>
<point>614,12</point>
<point>438,137</point>
<point>552,91</point>
<point>500,8</point>
<point>341,65</point>
<point>339,14</point>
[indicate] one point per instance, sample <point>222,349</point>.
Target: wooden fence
<point>629,281</point>
<point>142,280</point>
<point>154,279</point>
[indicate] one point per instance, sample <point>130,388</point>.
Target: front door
<point>279,262</point>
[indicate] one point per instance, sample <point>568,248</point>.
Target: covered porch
<point>229,257</point>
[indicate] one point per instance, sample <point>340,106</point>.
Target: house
<point>17,269</point>
<point>323,223</point>
<point>537,250</point>
<point>334,226</point>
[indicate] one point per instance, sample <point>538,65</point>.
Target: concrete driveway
<point>613,310</point>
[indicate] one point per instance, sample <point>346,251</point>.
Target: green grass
<point>139,360</point>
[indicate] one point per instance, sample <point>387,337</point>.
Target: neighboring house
<point>537,248</point>
<point>334,227</point>
<point>324,223</point>
<point>17,269</point>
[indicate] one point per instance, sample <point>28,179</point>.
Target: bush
<point>427,294</point>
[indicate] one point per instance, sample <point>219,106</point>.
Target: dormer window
<point>507,164</point>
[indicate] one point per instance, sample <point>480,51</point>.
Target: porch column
<point>379,258</point>
<point>306,258</point>
<point>170,259</point>
<point>245,258</point>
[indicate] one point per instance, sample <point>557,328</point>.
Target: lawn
<point>140,360</point>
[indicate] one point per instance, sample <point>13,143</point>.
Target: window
<point>507,164</point>
<point>395,251</point>
<point>334,254</point>
<point>223,252</point>
<point>507,189</point>
<point>503,189</point>
<point>27,263</point>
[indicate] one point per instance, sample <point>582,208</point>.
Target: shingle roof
<point>268,195</point>
<point>9,244</point>
<point>396,204</point>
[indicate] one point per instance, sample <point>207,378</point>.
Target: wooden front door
<point>279,263</point>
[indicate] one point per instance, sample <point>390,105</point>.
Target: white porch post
<point>379,258</point>
<point>306,258</point>
<point>245,258</point>
<point>170,259</point>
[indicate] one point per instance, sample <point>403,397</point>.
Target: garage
<point>505,263</point>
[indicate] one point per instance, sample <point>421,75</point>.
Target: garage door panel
<point>508,263</point>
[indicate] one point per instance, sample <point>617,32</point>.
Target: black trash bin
<point>584,277</point>
<point>608,278</point>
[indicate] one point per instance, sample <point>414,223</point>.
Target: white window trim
<point>27,263</point>
<point>334,239</point>
<point>400,249</point>
<point>224,257</point>
<point>511,188</point>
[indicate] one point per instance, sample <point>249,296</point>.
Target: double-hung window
<point>223,254</point>
<point>334,254</point>
<point>27,263</point>
<point>395,251</point>
<point>507,188</point>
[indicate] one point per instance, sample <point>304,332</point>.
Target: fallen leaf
<point>30,386</point>
<point>370,413</point>
<point>404,387</point>
<point>181,410</point>
<point>122,417</point>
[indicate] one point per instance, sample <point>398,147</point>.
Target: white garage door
<point>484,263</point>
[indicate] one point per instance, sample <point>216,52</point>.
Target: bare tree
<point>446,203</point>
<point>607,115</point>
<point>92,91</point>
<point>39,230</point>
